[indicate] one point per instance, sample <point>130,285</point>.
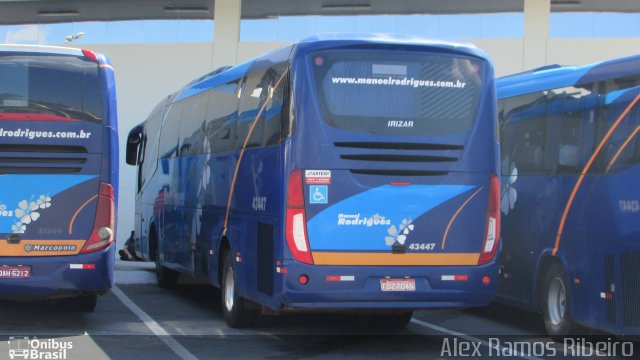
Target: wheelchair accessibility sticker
<point>318,194</point>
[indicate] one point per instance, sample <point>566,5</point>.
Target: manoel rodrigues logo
<point>49,247</point>
<point>356,219</point>
<point>21,347</point>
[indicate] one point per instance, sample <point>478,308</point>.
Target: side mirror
<point>133,142</point>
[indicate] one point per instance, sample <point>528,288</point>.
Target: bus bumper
<point>60,276</point>
<point>359,287</point>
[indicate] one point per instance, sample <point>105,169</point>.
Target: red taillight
<point>90,55</point>
<point>492,234</point>
<point>296,223</point>
<point>104,223</point>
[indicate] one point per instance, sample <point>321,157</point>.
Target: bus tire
<point>399,319</point>
<point>556,303</point>
<point>86,302</point>
<point>234,308</point>
<point>165,277</point>
<point>389,320</point>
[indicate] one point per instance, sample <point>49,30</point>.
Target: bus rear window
<point>397,93</point>
<point>59,85</point>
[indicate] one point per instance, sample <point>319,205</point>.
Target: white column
<point>226,20</point>
<point>536,33</point>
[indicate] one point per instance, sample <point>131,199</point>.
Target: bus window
<point>170,129</point>
<point>220,126</point>
<point>193,118</point>
<point>46,85</point>
<point>388,93</point>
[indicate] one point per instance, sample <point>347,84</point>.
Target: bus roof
<point>41,49</point>
<point>330,40</point>
<point>546,78</point>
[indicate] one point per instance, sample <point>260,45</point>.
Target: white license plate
<point>15,272</point>
<point>398,284</point>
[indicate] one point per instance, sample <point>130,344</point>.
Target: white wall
<point>146,73</point>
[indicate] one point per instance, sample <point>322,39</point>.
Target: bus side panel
<point>254,223</point>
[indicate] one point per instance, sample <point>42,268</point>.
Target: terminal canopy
<point>56,11</point>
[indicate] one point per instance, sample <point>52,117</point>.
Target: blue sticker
<point>318,194</point>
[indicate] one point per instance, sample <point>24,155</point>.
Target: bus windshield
<point>52,86</point>
<point>397,93</point>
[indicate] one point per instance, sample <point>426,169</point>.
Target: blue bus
<point>352,172</point>
<point>570,200</point>
<point>58,174</point>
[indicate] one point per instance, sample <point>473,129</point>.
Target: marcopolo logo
<point>47,247</point>
<point>357,220</point>
<point>35,349</point>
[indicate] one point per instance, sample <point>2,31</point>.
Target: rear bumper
<point>53,276</point>
<point>435,287</point>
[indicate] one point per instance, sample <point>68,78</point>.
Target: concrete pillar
<point>537,15</point>
<point>226,22</point>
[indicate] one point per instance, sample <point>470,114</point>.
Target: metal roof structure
<point>57,11</point>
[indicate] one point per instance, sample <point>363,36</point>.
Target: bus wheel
<point>400,319</point>
<point>389,320</point>
<point>556,303</point>
<point>86,302</point>
<point>234,308</point>
<point>165,277</point>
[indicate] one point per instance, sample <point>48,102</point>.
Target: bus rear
<point>58,140</point>
<point>392,198</point>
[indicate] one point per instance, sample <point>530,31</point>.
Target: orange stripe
<point>7,249</point>
<point>624,146</point>
<point>586,170</point>
<point>107,66</point>
<point>244,145</point>
<point>78,211</point>
<point>446,232</point>
<point>409,259</point>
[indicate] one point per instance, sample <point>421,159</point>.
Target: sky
<point>291,28</point>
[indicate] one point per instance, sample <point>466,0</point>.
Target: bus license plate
<point>15,272</point>
<point>398,284</point>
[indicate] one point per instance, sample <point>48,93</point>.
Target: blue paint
<point>362,221</point>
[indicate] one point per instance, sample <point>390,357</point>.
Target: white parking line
<point>158,330</point>
<point>470,338</point>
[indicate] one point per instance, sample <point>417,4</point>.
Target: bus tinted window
<point>58,85</point>
<point>556,131</point>
<point>169,135</point>
<point>397,93</point>
<point>260,90</point>
<point>193,120</point>
<point>221,117</point>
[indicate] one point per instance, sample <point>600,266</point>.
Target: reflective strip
<point>454,278</point>
<point>377,258</point>
<point>82,266</point>
<point>341,278</point>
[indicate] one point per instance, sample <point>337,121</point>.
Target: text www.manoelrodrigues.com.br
<point>34,134</point>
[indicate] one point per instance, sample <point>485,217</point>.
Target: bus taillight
<point>90,55</point>
<point>296,224</point>
<point>103,225</point>
<point>492,237</point>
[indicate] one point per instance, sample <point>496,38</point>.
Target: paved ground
<point>137,320</point>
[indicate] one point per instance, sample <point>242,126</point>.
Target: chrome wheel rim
<point>556,301</point>
<point>228,289</point>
